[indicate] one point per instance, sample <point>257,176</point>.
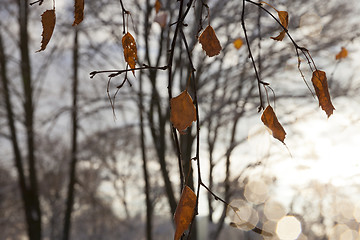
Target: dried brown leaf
<point>130,50</point>
<point>284,20</point>
<point>210,42</point>
<point>78,11</point>
<point>48,20</point>
<point>319,81</point>
<point>270,120</point>
<point>184,211</point>
<point>182,112</point>
<point>342,54</point>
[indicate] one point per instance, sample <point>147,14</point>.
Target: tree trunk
<point>73,162</point>
<point>145,168</point>
<point>32,205</point>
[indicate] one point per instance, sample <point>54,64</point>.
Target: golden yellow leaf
<point>130,50</point>
<point>78,11</point>
<point>210,42</point>
<point>184,211</point>
<point>270,120</point>
<point>319,81</point>
<point>182,112</point>
<point>157,6</point>
<point>238,43</point>
<point>284,20</point>
<point>342,54</point>
<point>48,20</point>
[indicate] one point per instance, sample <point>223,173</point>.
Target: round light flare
<point>346,209</point>
<point>288,228</point>
<point>242,215</point>
<point>349,235</point>
<point>256,191</point>
<point>274,210</point>
<point>310,24</point>
<point>342,232</point>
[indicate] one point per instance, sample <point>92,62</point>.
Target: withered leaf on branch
<point>78,11</point>
<point>319,81</point>
<point>184,211</point>
<point>182,112</point>
<point>130,50</point>
<point>48,20</point>
<point>342,54</point>
<point>210,42</point>
<point>270,120</point>
<point>284,20</point>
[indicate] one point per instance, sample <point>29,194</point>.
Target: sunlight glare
<point>274,210</point>
<point>256,191</point>
<point>242,215</point>
<point>288,228</point>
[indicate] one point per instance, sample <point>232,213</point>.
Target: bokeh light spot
<point>274,210</point>
<point>242,215</point>
<point>310,24</point>
<point>256,191</point>
<point>337,231</point>
<point>288,228</point>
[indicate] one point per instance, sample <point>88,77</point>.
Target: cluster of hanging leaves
<point>48,20</point>
<point>182,111</point>
<point>130,50</point>
<point>185,211</point>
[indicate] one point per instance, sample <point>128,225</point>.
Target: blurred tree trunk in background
<point>74,144</point>
<point>27,173</point>
<point>147,188</point>
<point>32,205</point>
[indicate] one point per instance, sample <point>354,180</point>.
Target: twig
<point>118,72</point>
<point>252,58</point>
<point>38,1</point>
<point>124,12</point>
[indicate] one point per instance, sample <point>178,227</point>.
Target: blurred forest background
<point>60,145</point>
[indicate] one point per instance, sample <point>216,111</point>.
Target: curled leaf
<point>78,11</point>
<point>284,20</point>
<point>342,54</point>
<point>319,81</point>
<point>238,43</point>
<point>182,112</point>
<point>48,20</point>
<point>184,211</point>
<point>130,50</point>
<point>270,120</point>
<point>157,6</point>
<point>209,42</point>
